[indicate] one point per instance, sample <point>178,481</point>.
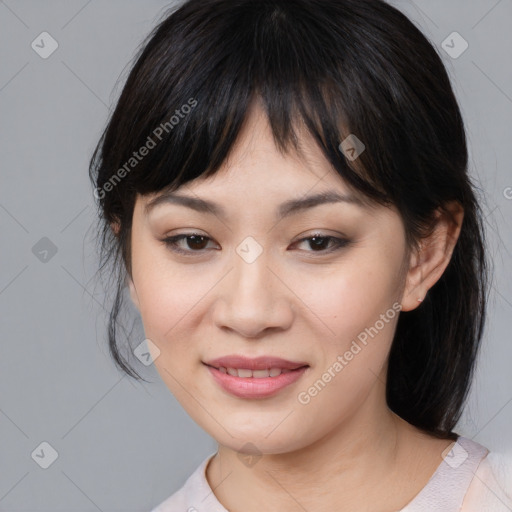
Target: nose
<point>252,301</point>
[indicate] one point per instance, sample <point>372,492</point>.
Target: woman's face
<point>261,284</point>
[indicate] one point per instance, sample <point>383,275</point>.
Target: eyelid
<point>172,241</point>
<point>337,243</point>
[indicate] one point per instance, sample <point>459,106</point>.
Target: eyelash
<point>172,243</point>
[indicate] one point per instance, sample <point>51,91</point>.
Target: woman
<point>283,187</point>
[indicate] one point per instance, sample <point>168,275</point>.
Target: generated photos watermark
<point>151,142</point>
<point>342,360</point>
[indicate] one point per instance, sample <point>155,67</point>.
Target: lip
<point>252,387</point>
<point>257,363</point>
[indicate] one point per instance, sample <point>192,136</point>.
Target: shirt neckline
<point>444,491</point>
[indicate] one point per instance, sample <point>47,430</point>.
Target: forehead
<point>255,165</point>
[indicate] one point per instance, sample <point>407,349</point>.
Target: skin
<point>344,450</point>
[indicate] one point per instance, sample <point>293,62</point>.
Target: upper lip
<point>257,363</point>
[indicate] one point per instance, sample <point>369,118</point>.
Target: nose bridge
<point>250,287</point>
<point>251,301</point>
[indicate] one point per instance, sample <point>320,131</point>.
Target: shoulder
<point>194,496</point>
<point>491,485</point>
<point>465,481</point>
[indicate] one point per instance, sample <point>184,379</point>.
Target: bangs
<point>190,92</point>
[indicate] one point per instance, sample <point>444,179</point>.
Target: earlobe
<point>412,290</point>
<point>430,260</point>
<point>133,293</point>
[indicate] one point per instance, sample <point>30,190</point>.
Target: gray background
<point>123,445</point>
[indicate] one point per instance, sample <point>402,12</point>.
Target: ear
<point>116,226</point>
<point>430,260</point>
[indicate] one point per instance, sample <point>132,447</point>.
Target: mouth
<point>247,373</point>
<point>255,378</point>
<point>244,365</point>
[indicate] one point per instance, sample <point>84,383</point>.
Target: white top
<point>463,482</point>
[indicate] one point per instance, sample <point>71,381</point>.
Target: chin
<point>251,442</point>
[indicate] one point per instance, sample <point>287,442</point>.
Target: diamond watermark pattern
<point>454,45</point>
<point>352,147</point>
<point>44,250</point>
<point>251,458</point>
<point>455,455</point>
<point>146,352</point>
<point>249,250</point>
<point>45,455</point>
<point>44,45</point>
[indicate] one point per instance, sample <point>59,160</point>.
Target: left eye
<point>196,243</point>
<point>320,243</point>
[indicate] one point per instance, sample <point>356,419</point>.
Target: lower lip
<point>251,387</point>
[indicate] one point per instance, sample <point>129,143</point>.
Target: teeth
<point>257,374</point>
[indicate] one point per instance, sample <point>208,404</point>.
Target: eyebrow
<point>290,207</point>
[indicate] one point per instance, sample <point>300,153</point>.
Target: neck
<point>355,462</point>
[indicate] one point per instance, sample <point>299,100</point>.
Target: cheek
<point>168,294</point>
<point>351,295</point>
<point>357,301</point>
<point>350,363</point>
<point>170,308</point>
<point>169,303</point>
<point>359,316</point>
